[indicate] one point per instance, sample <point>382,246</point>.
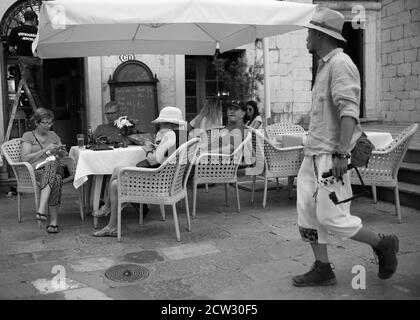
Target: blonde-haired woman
<point>209,117</point>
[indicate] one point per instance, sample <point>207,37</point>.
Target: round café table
<point>100,163</point>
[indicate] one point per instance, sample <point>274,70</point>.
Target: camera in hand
<point>329,172</point>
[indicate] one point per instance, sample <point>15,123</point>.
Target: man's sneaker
<point>387,255</point>
<point>321,274</point>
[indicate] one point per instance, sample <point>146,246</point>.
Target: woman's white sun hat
<point>328,21</point>
<point>171,115</point>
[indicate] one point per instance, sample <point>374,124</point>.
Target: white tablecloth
<point>379,139</point>
<point>103,162</point>
<point>291,139</point>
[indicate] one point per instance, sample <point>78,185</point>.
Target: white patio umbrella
<point>80,28</point>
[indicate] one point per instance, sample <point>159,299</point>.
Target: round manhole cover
<point>127,273</point>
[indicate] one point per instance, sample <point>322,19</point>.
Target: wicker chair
<point>219,168</point>
<point>278,162</point>
<point>209,136</point>
<point>165,185</point>
<point>280,128</point>
<point>384,164</point>
<point>25,175</point>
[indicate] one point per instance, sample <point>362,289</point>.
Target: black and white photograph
<point>210,158</point>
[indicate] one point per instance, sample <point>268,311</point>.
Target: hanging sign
<point>126,57</point>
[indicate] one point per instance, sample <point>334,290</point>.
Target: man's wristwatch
<point>341,155</point>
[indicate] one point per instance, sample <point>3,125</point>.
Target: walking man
<point>333,131</point>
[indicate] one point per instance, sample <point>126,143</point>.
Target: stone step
<point>412,155</point>
<point>409,194</point>
<point>409,172</point>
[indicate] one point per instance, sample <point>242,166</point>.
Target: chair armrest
<point>25,174</point>
<point>287,148</point>
<point>139,170</point>
<point>26,165</point>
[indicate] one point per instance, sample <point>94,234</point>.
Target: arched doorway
<point>62,81</point>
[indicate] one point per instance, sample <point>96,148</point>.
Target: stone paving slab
<point>227,255</point>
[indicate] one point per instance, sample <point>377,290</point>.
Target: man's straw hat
<point>328,21</point>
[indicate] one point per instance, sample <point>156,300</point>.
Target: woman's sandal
<point>41,216</point>
<point>105,232</point>
<point>52,229</point>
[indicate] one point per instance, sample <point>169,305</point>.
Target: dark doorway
<point>354,48</point>
<point>64,94</point>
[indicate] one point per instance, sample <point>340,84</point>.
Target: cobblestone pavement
<point>227,255</point>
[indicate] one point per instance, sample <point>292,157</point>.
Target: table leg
<point>96,198</point>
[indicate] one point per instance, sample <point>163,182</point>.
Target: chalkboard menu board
<point>138,97</point>
<point>138,103</point>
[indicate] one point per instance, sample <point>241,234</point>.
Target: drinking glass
<point>81,140</point>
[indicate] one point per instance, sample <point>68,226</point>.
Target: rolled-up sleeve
<point>345,88</point>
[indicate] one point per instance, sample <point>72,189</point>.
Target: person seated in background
<point>38,145</point>
<point>252,117</point>
<point>166,142</point>
<point>232,134</point>
<point>112,113</point>
<point>209,117</point>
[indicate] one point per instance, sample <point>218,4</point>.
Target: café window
<point>201,80</point>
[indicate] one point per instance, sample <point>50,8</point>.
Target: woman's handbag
<point>63,170</point>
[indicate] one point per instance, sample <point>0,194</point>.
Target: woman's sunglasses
<point>49,123</point>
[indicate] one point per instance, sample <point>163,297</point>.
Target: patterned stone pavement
<point>228,255</point>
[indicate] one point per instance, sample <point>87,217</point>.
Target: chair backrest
<point>285,161</point>
<point>279,128</point>
<point>165,181</point>
<point>185,156</point>
<point>23,171</point>
<point>218,167</point>
<point>244,146</point>
<point>395,153</point>
<point>257,141</point>
<point>11,150</point>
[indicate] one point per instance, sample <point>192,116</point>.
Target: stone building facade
<point>400,60</point>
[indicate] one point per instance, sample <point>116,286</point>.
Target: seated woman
<point>252,117</point>
<point>166,142</point>
<point>209,117</point>
<point>37,146</point>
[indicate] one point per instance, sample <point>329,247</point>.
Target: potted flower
<point>126,126</point>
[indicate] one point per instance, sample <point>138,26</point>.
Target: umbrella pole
<point>266,61</point>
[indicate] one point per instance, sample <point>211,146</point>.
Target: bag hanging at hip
<point>63,170</point>
<point>359,158</point>
<point>361,152</point>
